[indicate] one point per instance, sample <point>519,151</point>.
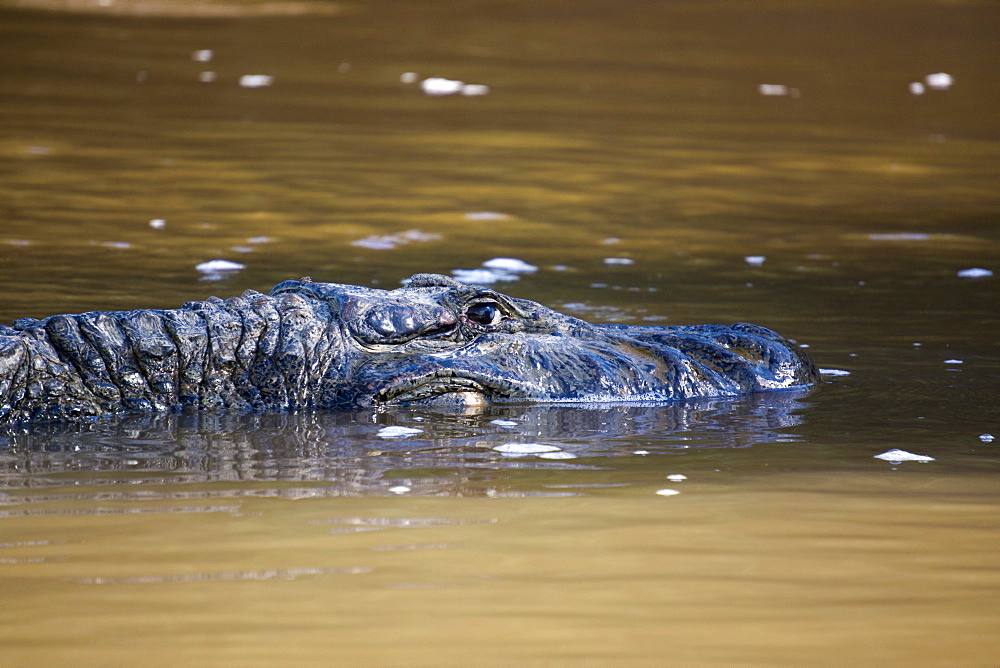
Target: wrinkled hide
<point>434,342</point>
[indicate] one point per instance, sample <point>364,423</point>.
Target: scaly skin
<point>434,342</point>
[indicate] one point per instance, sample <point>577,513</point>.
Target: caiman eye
<point>483,313</point>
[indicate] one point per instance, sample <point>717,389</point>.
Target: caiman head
<point>437,342</point>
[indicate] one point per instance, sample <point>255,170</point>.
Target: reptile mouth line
<point>437,384</point>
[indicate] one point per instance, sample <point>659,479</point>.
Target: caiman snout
<point>394,322</point>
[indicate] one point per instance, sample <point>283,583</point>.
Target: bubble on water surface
<point>772,90</point>
<point>375,243</point>
<point>390,241</point>
<point>493,271</point>
<point>158,223</point>
<point>399,489</point>
<point>557,455</point>
<point>916,88</point>
<point>256,80</point>
<point>954,361</point>
<point>618,261</point>
<point>677,477</point>
<point>986,438</point>
<point>475,90</point>
<point>504,423</point>
<point>939,81</point>
<point>398,432</point>
<point>482,276</point>
<point>897,456</point>
<point>485,215</point>
<point>667,492</point>
<point>438,86</point>
<point>207,77</point>
<point>218,266</point>
<point>755,260</point>
<point>510,264</point>
<point>202,55</point>
<point>522,449</point>
<point>975,272</point>
<point>408,77</point>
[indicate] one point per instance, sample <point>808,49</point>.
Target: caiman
<point>434,342</point>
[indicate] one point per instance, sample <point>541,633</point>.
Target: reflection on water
<point>351,453</point>
<point>649,134</point>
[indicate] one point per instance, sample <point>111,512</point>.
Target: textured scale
<point>310,344</point>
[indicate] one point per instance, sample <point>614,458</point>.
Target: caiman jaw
<point>442,388</point>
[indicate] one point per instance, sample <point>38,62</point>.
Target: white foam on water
<point>504,423</point>
<point>557,455</point>
<point>954,361</point>
<point>217,266</point>
<point>510,264</point>
<point>834,372</point>
<point>397,432</point>
<point>986,438</point>
<point>975,272</point>
<point>482,276</point>
<point>521,449</point>
<point>611,261</point>
<point>475,90</point>
<point>677,477</point>
<point>158,223</point>
<point>202,55</point>
<point>390,241</point>
<point>485,215</point>
<point>399,489</point>
<point>667,492</point>
<point>897,456</point>
<point>939,81</point>
<point>755,260</point>
<point>439,86</point>
<point>772,90</point>
<point>376,242</point>
<point>256,80</point>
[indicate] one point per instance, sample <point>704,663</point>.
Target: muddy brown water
<point>630,131</point>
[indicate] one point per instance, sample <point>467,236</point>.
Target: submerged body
<point>434,342</point>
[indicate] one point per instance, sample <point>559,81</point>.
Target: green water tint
<point>633,130</point>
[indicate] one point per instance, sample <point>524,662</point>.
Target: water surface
<point>630,131</point>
